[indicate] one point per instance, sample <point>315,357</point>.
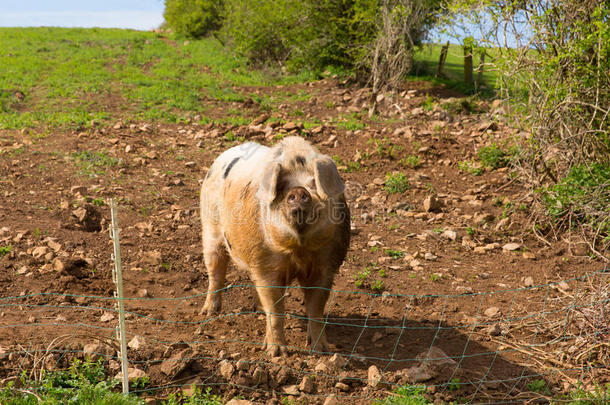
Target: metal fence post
<point>117,277</point>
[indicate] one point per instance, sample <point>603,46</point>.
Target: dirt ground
<point>468,277</point>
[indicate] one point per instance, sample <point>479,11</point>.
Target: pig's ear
<point>267,190</point>
<point>328,181</point>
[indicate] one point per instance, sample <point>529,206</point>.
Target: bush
<point>556,76</point>
<point>193,18</point>
<point>583,196</point>
<point>296,33</point>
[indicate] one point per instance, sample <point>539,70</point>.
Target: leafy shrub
<point>193,18</point>
<point>493,157</point>
<point>407,395</point>
<point>584,194</point>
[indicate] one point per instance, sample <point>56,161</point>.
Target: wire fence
<point>493,347</point>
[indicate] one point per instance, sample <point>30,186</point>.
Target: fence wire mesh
<point>505,346</point>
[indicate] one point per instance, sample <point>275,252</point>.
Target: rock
<point>322,367</point>
<point>39,251</point>
<point>431,204</point>
<point>480,250</point>
<point>152,258</point>
<point>509,247</point>
<point>430,256</point>
<point>290,126</point>
<point>337,361</point>
<point>88,217</point>
<point>260,376</point>
<point>94,350</point>
<point>243,365</point>
<point>579,249</point>
<point>176,363</point>
<point>502,224</point>
<point>449,234</point>
<point>331,400</point>
<point>374,378</point>
<point>260,119</point>
<point>529,256</point>
<point>290,390</point>
<point>22,270</point>
<point>419,374</point>
<point>487,125</point>
<point>107,317</point>
<point>563,286</point>
<point>307,385</point>
<point>143,293</point>
<point>494,330</point>
<point>342,386</point>
<point>54,245</point>
<point>528,281</point>
<point>226,369</point>
<point>237,401</point>
<point>138,342</point>
<point>132,374</point>
<point>82,190</point>
<point>491,312</point>
<point>190,164</point>
<point>4,352</point>
<point>483,218</point>
<point>435,356</point>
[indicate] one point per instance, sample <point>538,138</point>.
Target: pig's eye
<point>291,198</point>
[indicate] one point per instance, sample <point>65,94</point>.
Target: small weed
<point>406,395</point>
<point>471,231</point>
<point>92,164</point>
<point>394,254</point>
<point>468,166</point>
<point>435,277</point>
<point>98,201</point>
<point>393,227</point>
<point>362,277</point>
<point>198,397</point>
<point>230,136</point>
<point>493,157</point>
<point>599,394</point>
<point>396,183</point>
<point>410,161</point>
<point>374,249</point>
<point>438,230</point>
<point>377,285</point>
<point>428,103</point>
<point>4,250</point>
<point>454,384</point>
<point>539,386</point>
<point>459,106</point>
<point>385,148</point>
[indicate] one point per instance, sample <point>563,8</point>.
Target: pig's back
<point>241,161</point>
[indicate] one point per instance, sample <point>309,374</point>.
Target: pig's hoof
<point>210,309</point>
<point>321,345</point>
<point>275,350</point>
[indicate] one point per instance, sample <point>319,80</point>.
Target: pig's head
<point>301,193</point>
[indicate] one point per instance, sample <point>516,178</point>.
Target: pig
<point>280,214</point>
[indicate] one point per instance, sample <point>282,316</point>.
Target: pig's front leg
<point>316,294</point>
<point>271,295</point>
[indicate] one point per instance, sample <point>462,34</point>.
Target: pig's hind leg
<point>216,260</point>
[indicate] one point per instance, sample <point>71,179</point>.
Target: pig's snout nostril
<point>298,196</point>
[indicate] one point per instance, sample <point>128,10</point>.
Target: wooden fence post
<point>468,64</point>
<point>442,59</point>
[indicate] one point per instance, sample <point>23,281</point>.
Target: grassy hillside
<point>427,60</point>
<point>59,76</point>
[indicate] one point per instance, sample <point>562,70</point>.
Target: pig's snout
<point>299,205</point>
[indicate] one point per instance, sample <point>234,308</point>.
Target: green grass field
<point>69,77</point>
<point>61,77</point>
<point>427,62</point>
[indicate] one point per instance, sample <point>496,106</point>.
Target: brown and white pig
<point>280,214</point>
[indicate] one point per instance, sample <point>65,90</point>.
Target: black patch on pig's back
<point>301,160</point>
<point>229,167</point>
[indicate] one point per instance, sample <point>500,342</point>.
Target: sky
<point>135,14</point>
